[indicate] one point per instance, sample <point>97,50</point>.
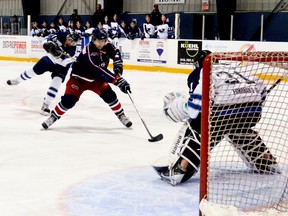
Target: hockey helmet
<point>74,37</point>
<point>200,57</point>
<point>99,34</point>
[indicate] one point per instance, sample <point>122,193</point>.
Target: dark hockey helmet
<point>74,37</point>
<point>99,34</point>
<point>200,57</point>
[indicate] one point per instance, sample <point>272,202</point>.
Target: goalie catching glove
<point>175,107</point>
<point>53,49</point>
<point>123,85</point>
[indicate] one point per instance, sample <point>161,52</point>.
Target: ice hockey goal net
<point>244,171</point>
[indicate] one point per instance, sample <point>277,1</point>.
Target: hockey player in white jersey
<point>234,120</point>
<point>164,29</point>
<point>148,27</point>
<point>115,32</point>
<point>60,48</point>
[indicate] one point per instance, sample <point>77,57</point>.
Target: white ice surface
<point>87,163</point>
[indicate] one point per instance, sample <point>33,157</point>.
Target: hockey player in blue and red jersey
<point>232,119</point>
<point>60,48</point>
<point>90,72</point>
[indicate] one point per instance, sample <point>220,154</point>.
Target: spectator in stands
<point>156,15</point>
<point>61,24</point>
<point>35,31</point>
<point>106,25</point>
<point>115,31</point>
<point>123,29</point>
<point>148,27</point>
<point>53,28</point>
<point>100,26</point>
<point>134,31</point>
<point>75,16</point>
<point>71,27</point>
<point>79,29</point>
<point>14,25</point>
<point>44,29</point>
<point>98,15</point>
<point>6,28</point>
<point>88,29</point>
<point>163,29</point>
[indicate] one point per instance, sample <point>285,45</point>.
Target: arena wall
<point>169,55</point>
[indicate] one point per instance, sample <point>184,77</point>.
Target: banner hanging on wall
<point>187,50</point>
<point>152,51</point>
<point>169,1</point>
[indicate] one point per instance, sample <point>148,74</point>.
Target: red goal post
<point>224,181</point>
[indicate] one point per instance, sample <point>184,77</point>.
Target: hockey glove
<point>118,67</point>
<point>123,85</point>
<point>53,49</point>
<point>52,37</point>
<point>174,107</point>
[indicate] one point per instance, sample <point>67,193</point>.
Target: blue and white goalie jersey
<point>235,86</point>
<point>233,93</point>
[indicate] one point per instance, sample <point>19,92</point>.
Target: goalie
<point>232,118</point>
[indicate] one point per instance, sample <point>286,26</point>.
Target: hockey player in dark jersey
<point>232,119</point>
<point>90,72</point>
<point>60,48</point>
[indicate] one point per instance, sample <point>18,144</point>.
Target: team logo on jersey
<point>75,87</point>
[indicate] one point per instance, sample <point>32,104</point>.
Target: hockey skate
<point>173,176</point>
<point>12,82</point>
<point>124,120</point>
<point>48,122</point>
<point>45,110</point>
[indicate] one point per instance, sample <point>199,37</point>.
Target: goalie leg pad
<point>254,153</point>
<point>185,146</point>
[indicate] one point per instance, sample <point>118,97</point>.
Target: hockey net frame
<point>272,59</point>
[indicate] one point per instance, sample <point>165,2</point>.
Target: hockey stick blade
<point>156,138</point>
<point>152,138</point>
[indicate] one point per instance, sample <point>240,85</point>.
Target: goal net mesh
<point>247,127</point>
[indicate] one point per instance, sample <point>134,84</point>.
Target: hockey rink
<point>88,163</point>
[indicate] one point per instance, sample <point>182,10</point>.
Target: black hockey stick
<point>152,138</point>
<point>277,82</point>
